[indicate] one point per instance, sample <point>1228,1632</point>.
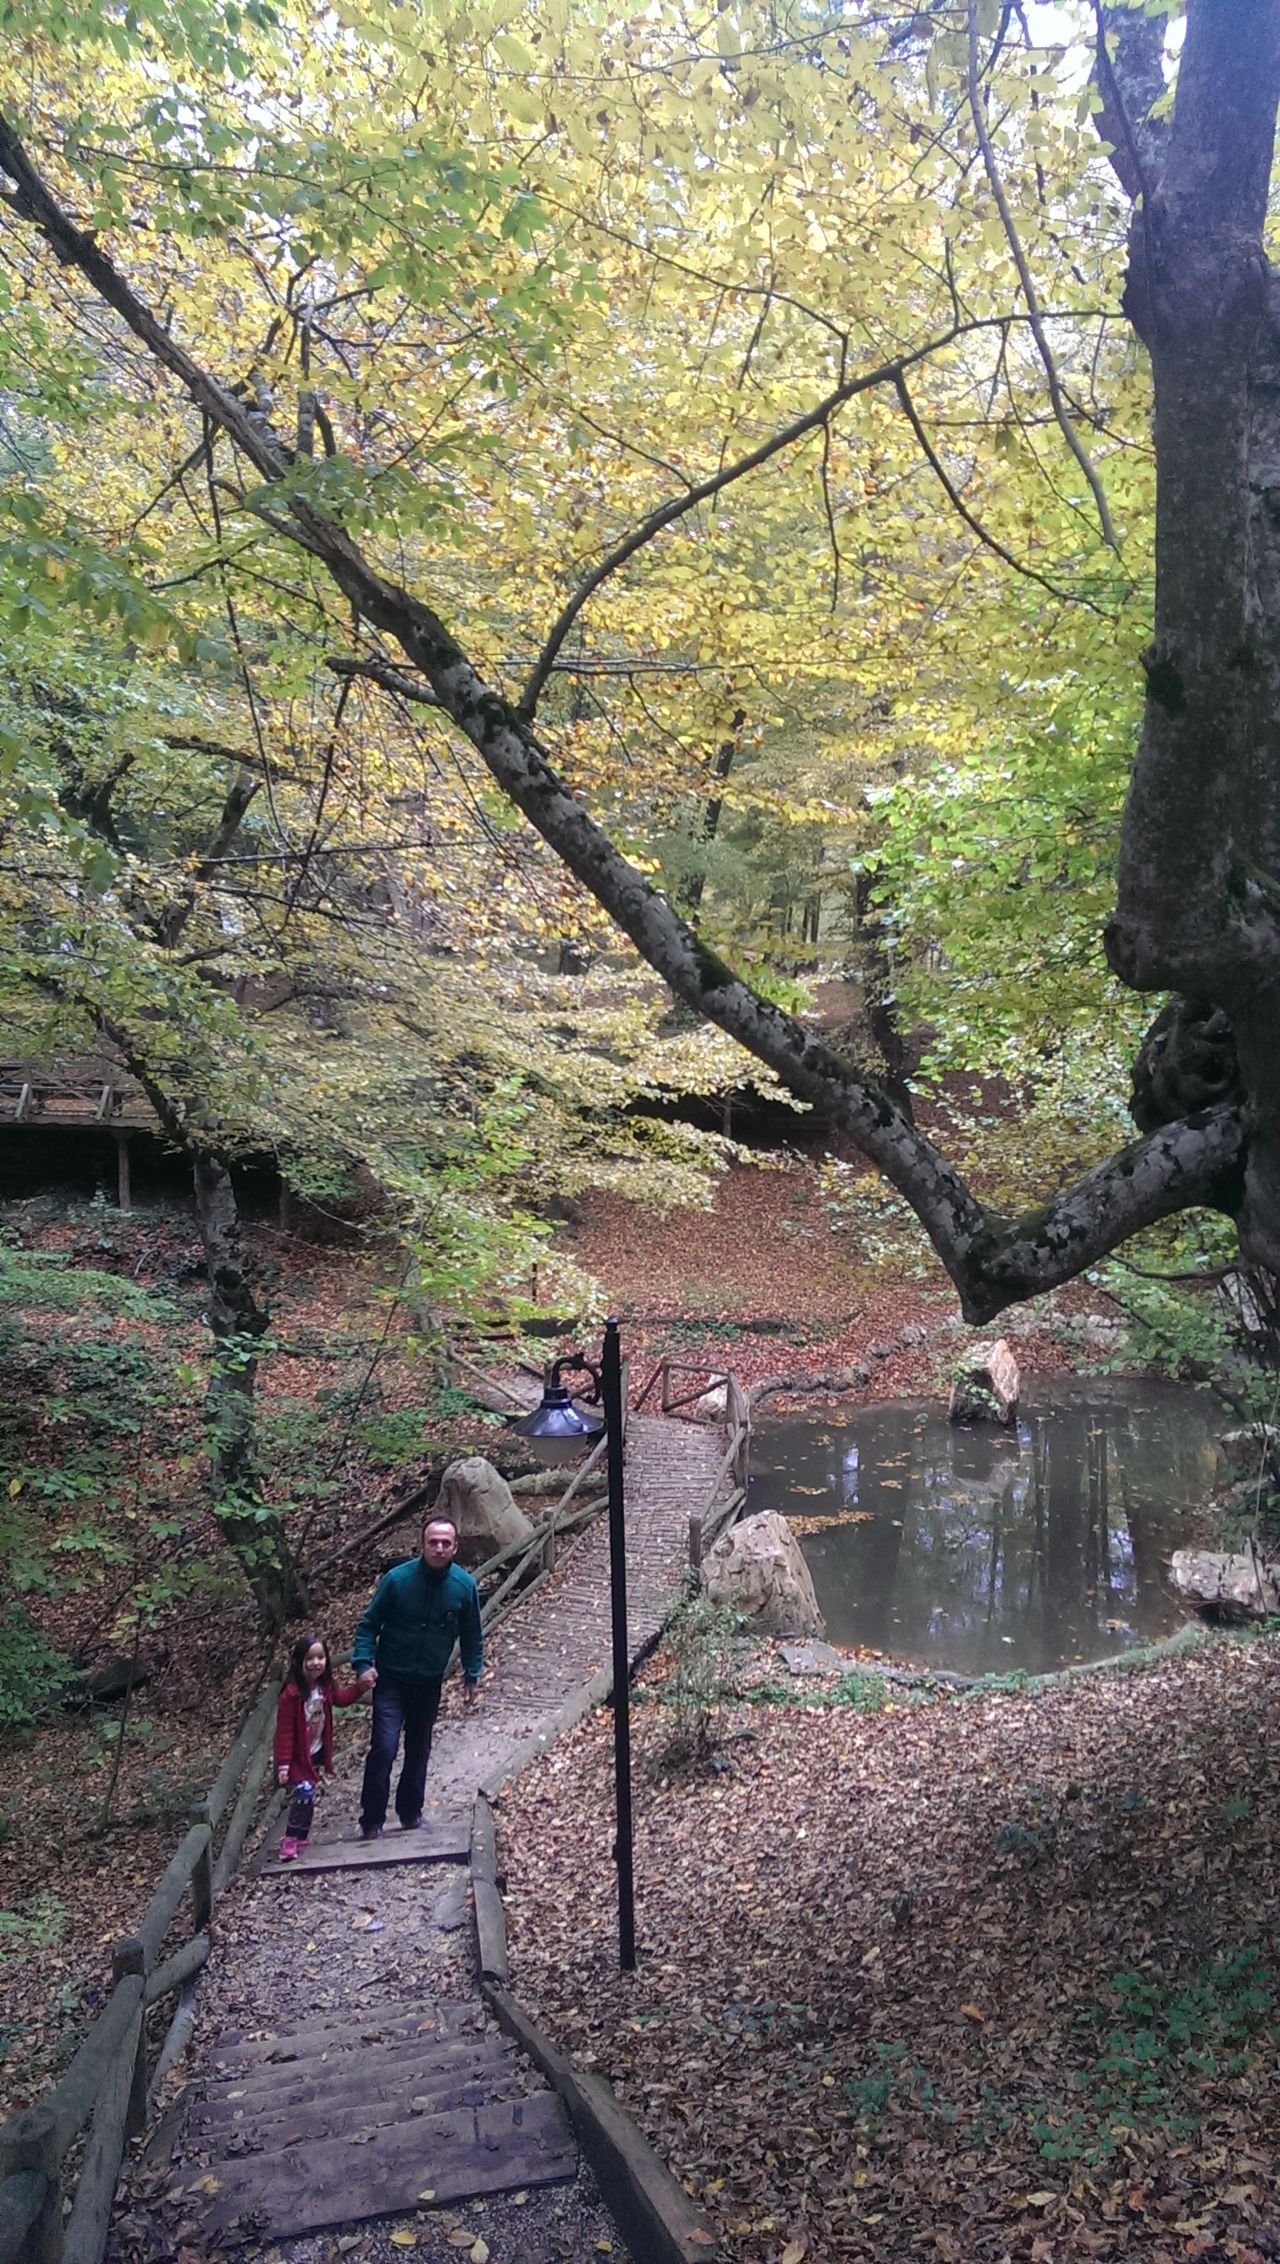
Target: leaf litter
<point>993,1977</point>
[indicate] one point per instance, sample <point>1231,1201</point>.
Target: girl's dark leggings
<point>301,1810</point>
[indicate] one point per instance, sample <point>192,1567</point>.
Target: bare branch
<point>1067,597</point>
<point>1029,292</point>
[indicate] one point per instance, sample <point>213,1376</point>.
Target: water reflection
<point>981,1549</point>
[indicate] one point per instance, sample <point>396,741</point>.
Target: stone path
<point>383,2084</point>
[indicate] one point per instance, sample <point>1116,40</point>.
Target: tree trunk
<point>1198,906</point>
<point>253,1530</point>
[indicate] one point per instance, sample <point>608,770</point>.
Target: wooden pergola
<point>75,1093</point>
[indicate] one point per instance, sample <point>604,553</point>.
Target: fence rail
<point>716,1515</point>
<point>109,2086</point>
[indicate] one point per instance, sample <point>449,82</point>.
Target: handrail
<point>106,2082</point>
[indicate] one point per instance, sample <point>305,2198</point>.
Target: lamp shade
<point>557,1431</point>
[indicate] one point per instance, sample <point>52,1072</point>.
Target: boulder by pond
<point>1227,1587</point>
<point>987,1386</point>
<point>482,1506</point>
<point>758,1567</point>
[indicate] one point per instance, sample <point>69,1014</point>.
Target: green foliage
<point>700,1637</point>
<point>30,1669</point>
<point>43,1922</point>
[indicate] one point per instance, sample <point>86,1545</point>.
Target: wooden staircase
<point>404,2107</point>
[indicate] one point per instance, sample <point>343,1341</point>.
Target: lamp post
<point>611,1391</point>
<point>557,1432</point>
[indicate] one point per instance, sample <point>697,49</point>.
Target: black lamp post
<point>557,1431</point>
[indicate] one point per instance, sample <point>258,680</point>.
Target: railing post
<point>202,1872</point>
<point>666,1387</point>
<point>29,2141</point>
<point>131,1957</point>
<point>695,1539</point>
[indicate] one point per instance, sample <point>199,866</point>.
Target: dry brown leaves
<point>878,1961</point>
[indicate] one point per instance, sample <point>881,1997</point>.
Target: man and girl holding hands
<point>402,1649</point>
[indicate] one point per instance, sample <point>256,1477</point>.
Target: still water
<point>983,1550</point>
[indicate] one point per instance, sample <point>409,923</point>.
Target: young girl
<point>304,1734</point>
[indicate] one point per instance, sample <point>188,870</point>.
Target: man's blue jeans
<point>400,1702</point>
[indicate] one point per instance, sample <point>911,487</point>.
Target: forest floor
<point>982,1977</point>
<point>93,1801</point>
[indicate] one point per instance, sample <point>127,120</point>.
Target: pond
<point>983,1550</point>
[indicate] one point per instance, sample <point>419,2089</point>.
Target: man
<point>402,1647</point>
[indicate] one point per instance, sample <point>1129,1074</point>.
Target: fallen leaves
<point>794,2052</point>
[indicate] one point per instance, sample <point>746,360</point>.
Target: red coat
<point>292,1748</point>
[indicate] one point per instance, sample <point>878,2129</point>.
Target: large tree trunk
<point>1198,908</point>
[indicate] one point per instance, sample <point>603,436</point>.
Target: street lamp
<point>557,1432</point>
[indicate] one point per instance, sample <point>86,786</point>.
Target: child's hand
<point>282,1776</point>
<point>366,1680</point>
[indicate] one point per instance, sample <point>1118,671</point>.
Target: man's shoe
<point>413,1824</point>
<point>371,1831</point>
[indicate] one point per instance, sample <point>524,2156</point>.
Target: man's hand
<point>470,1692</point>
<point>366,1679</point>
<point>282,1775</point>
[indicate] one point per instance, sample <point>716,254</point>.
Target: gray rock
<point>988,1386</point>
<point>758,1567</point>
<point>812,1658</point>
<point>880,1351</point>
<point>482,1506</point>
<point>913,1334</point>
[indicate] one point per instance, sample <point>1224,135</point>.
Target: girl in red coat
<point>304,1734</point>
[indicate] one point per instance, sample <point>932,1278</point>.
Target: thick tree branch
<point>992,1260</point>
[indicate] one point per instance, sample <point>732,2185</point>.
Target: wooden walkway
<point>434,2106</point>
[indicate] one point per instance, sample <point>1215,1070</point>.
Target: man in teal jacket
<point>403,1645</point>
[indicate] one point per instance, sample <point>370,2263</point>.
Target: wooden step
<point>442,1841</point>
<point>354,2031</point>
<point>420,2162</point>
<point>337,2115</point>
<point>384,2070</point>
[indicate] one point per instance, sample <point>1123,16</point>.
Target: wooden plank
<point>403,2067</point>
<point>431,2016</point>
<point>443,1842</point>
<point>85,2234</point>
<point>454,2157</point>
<point>491,1930</point>
<point>338,2113</point>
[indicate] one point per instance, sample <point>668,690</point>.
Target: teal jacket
<point>414,1620</point>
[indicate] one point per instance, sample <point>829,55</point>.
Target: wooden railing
<point>715,1515</point>
<point>110,2086</point>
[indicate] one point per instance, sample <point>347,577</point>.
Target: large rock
<point>986,1390</point>
<point>1226,1587</point>
<point>758,1567</point>
<point>1249,1452</point>
<point>483,1507</point>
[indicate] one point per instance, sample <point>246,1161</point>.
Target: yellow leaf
<point>972,2012</point>
<point>404,2239</point>
<point>795,2252</point>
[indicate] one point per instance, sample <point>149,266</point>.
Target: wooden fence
<point>110,2085</point>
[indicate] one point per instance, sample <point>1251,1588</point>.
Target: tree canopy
<point>740,443</point>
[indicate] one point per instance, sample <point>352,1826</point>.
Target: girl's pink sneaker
<point>288,1850</point>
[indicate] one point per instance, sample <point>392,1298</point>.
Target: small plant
<point>42,1923</point>
<point>30,1669</point>
<point>699,1637</point>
